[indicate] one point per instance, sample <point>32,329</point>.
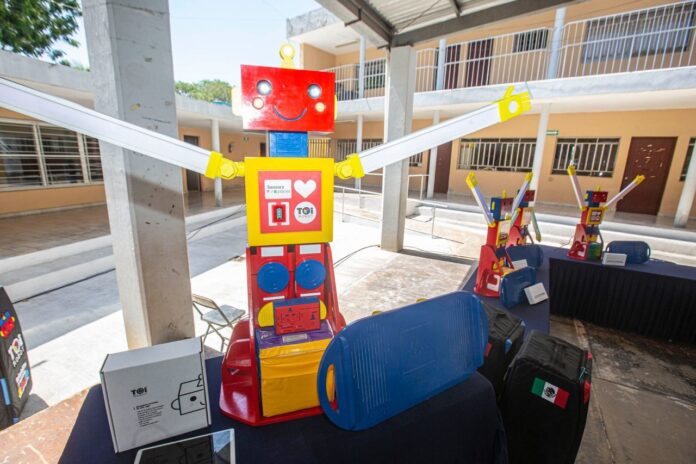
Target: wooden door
<point>193,179</point>
<point>651,157</point>
<point>452,56</point>
<point>442,167</point>
<point>262,149</point>
<point>478,62</point>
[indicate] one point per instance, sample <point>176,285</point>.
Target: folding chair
<point>217,317</point>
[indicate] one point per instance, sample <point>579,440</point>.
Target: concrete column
<point>441,56</point>
<point>358,143</point>
<point>432,161</point>
<point>361,69</point>
<point>130,56</point>
<point>556,43</point>
<point>539,149</point>
<point>215,146</point>
<point>398,115</point>
<point>686,200</point>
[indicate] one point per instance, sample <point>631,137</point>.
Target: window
<point>644,32</point>
<point>375,73</point>
<point>689,151</point>
<point>94,165</point>
<point>319,148</point>
<point>530,40</point>
<point>593,157</point>
<point>36,154</point>
<point>61,154</point>
<point>345,147</point>
<point>416,160</point>
<point>516,154</point>
<point>19,159</point>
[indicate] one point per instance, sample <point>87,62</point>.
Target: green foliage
<point>208,90</point>
<point>32,27</point>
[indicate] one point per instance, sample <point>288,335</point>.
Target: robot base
<point>489,274</point>
<point>584,249</point>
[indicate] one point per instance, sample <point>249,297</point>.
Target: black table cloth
<point>459,425</point>
<point>656,299</point>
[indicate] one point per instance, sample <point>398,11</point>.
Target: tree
<point>208,90</point>
<point>32,27</point>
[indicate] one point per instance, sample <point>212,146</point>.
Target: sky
<point>212,38</point>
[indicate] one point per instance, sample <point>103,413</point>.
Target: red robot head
<point>285,99</point>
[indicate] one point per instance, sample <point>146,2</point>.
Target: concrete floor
<point>36,232</point>
<point>643,406</point>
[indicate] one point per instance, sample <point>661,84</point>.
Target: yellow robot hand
<point>219,166</point>
<point>513,105</point>
<point>351,167</point>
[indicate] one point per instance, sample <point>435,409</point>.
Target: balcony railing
<point>652,38</point>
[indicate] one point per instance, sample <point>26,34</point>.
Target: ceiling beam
<point>455,6</point>
<point>473,20</point>
<point>362,18</point>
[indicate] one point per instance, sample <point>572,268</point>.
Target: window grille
<point>687,160</point>
<point>593,157</point>
<point>34,154</point>
<point>94,164</point>
<point>644,32</point>
<point>491,154</point>
<point>19,159</point>
<point>61,154</point>
<point>375,73</point>
<point>319,148</point>
<point>530,40</point>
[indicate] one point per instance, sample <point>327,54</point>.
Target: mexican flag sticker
<point>550,393</point>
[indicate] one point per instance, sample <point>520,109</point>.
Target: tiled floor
<point>34,232</point>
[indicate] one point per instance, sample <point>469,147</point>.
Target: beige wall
<point>554,188</point>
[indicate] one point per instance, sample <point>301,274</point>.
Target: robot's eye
<point>314,91</point>
<point>264,87</point>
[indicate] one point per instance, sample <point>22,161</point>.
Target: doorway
<point>262,149</point>
<point>651,157</point>
<point>193,179</point>
<point>442,167</point>
<point>478,62</point>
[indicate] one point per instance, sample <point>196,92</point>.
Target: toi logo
<point>305,212</point>
<point>140,391</point>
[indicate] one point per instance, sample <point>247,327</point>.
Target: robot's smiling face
<point>287,99</point>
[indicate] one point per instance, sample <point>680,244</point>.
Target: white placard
<point>536,293</point>
<point>519,264</point>
<point>614,259</point>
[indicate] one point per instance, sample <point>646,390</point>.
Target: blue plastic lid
<point>273,277</point>
<point>310,274</point>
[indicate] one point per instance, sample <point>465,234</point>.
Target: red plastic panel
<point>283,99</point>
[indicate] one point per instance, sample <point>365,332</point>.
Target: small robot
<point>494,262</point>
<point>587,243</point>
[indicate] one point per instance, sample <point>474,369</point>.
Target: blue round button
<point>273,277</point>
<point>310,274</point>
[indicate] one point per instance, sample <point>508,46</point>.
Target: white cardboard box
<point>536,293</point>
<point>155,392</point>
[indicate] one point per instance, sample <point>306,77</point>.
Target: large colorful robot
<point>588,243</point>
<point>269,371</point>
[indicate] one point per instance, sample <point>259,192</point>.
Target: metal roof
<point>393,23</point>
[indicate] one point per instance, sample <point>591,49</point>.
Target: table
<point>656,299</point>
<point>459,425</point>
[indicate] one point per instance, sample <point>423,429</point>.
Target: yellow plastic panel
<point>321,168</point>
<point>289,377</point>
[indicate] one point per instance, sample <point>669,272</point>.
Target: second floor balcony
<point>642,40</point>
